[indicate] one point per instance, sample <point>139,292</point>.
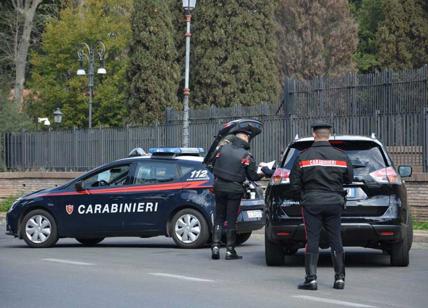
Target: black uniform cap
<point>320,124</point>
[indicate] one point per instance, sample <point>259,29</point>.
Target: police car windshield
<point>365,156</point>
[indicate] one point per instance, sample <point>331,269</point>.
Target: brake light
<point>281,176</point>
<point>386,175</point>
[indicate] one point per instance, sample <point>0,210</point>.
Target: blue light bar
<point>176,150</point>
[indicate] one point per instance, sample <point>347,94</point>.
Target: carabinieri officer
<point>318,177</point>
<point>233,164</point>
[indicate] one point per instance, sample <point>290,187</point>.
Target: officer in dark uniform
<point>233,164</point>
<point>317,179</point>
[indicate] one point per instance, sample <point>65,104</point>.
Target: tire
<point>89,241</point>
<point>274,253</point>
<point>410,233</point>
<point>197,233</point>
<point>241,238</point>
<point>39,229</point>
<point>400,252</point>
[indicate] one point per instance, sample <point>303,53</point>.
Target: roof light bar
<point>171,151</point>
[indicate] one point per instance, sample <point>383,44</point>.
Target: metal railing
<point>393,105</point>
<point>83,149</point>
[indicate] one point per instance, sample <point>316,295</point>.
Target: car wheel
<point>410,233</point>
<point>241,238</point>
<point>89,241</point>
<point>400,252</point>
<point>38,229</point>
<point>189,229</point>
<point>274,253</point>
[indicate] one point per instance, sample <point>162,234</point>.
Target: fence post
<point>75,147</point>
<point>425,141</point>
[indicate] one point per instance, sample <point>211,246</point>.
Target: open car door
<point>254,127</point>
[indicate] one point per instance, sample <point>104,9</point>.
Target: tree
<point>318,37</point>
<point>153,74</point>
<point>234,53</point>
<point>402,37</point>
<point>54,81</point>
<point>369,15</point>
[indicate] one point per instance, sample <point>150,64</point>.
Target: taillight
<point>386,175</point>
<point>281,176</point>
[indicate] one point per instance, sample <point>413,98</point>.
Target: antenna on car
<point>373,136</point>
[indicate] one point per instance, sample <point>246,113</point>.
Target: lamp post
<point>58,116</point>
<point>88,52</point>
<point>188,6</point>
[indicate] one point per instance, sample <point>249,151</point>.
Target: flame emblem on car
<point>69,208</point>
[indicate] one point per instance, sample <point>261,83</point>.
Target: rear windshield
<point>365,156</point>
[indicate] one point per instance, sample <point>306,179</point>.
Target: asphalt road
<point>132,272</point>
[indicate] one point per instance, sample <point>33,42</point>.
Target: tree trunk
<point>28,9</point>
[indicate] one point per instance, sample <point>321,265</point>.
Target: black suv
<point>376,214</point>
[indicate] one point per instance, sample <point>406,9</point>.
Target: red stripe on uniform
<point>323,163</point>
<point>138,188</point>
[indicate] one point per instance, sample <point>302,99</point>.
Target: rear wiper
<point>356,165</point>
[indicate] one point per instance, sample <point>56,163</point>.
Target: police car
<point>166,192</point>
<point>376,215</point>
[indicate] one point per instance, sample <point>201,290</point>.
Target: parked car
<point>167,192</point>
<point>377,214</point>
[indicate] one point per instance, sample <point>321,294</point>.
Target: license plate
<point>351,192</point>
<point>254,214</point>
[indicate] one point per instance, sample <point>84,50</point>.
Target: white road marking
<point>181,277</point>
<point>332,301</point>
<point>68,262</point>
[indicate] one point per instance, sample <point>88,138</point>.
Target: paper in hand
<point>269,165</point>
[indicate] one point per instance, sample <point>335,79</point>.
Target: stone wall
<point>18,183</point>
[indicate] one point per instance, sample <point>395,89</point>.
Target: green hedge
<point>6,204</point>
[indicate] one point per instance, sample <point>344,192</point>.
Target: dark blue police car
<point>166,192</point>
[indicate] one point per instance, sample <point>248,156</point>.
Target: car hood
<point>38,193</point>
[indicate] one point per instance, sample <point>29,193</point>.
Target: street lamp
<point>88,52</point>
<point>58,116</point>
<point>188,6</point>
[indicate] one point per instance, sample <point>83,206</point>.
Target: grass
<point>420,225</point>
<point>6,204</point>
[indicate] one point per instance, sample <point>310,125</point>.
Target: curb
<point>2,218</point>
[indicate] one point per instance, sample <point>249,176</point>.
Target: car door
<point>156,186</point>
<point>96,208</point>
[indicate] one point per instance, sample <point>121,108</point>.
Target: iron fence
<point>393,105</point>
<point>84,149</point>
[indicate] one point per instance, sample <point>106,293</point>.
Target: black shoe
<point>338,259</point>
<point>311,262</point>
<point>215,252</point>
<point>310,283</point>
<point>230,245</point>
<point>339,283</point>
<point>232,255</point>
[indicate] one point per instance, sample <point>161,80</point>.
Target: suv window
<point>365,156</point>
<point>152,172</point>
<point>114,176</point>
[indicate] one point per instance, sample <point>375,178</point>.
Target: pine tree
<point>317,37</point>
<point>234,55</point>
<point>402,37</point>
<point>153,74</point>
<point>369,14</point>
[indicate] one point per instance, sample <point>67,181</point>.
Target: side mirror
<point>405,171</point>
<point>79,186</point>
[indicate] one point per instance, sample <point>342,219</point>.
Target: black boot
<point>215,247</point>
<point>338,259</point>
<point>230,245</point>
<point>311,262</point>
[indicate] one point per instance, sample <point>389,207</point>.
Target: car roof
<point>149,156</point>
<point>342,138</point>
